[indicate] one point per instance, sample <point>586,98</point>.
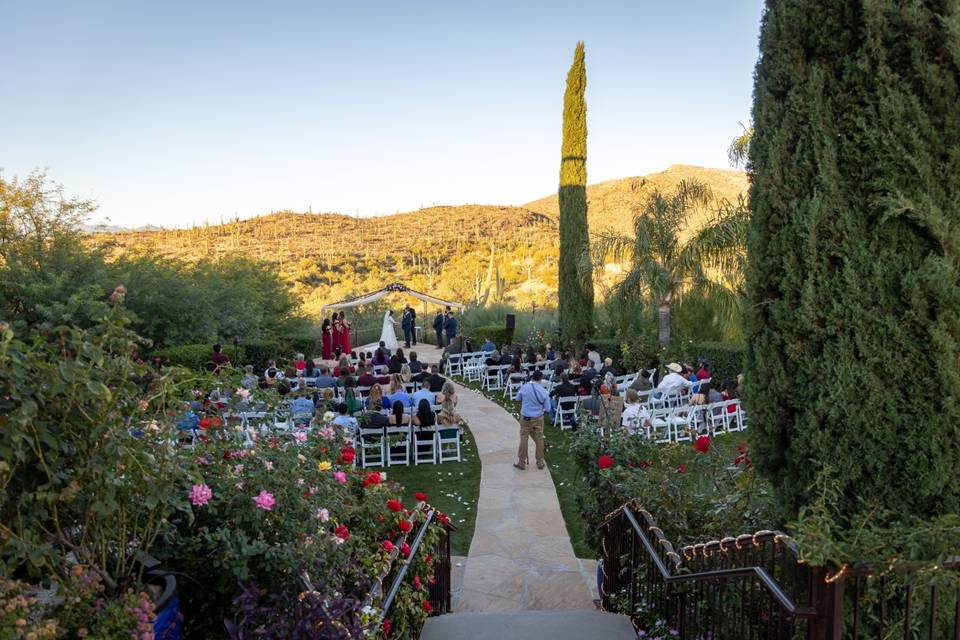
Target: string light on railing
<point>839,574</point>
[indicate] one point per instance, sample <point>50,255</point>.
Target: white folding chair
<point>514,382</point>
<point>398,445</point>
<point>448,443</point>
<point>424,445</point>
<point>370,442</point>
<point>566,418</point>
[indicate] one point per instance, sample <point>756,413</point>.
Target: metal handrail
<point>398,580</point>
<point>768,581</point>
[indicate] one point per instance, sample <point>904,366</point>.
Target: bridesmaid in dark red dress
<point>345,328</point>
<point>326,352</point>
<point>336,333</point>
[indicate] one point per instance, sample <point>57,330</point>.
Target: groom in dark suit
<point>450,324</point>
<point>438,323</point>
<point>406,322</point>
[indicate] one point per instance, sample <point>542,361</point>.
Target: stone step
<point>535,625</point>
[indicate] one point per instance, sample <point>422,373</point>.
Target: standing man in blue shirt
<point>534,402</point>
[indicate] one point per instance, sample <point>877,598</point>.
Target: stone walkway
<point>521,557</point>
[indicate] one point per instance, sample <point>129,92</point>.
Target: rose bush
<point>696,491</point>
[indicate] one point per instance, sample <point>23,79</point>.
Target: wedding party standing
<point>345,334</point>
<point>409,324</point>
<point>388,337</point>
<point>438,322</point>
<point>336,334</point>
<point>326,351</point>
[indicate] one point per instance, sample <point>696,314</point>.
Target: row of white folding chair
<point>393,445</point>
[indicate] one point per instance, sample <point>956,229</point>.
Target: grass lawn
<point>562,469</point>
<point>451,487</point>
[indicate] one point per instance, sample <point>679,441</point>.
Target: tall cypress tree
<point>575,284</point>
<point>854,305</point>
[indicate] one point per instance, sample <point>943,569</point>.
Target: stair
<point>535,625</point>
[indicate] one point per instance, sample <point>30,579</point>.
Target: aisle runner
<point>521,557</point>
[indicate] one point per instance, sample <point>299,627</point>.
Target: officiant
<point>408,322</point>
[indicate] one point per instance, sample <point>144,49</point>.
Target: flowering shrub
<point>696,492</point>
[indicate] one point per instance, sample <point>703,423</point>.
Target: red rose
<point>394,505</point>
<point>405,526</point>
<point>742,447</point>
<point>215,421</point>
<point>387,627</point>
<point>605,461</point>
<point>348,455</point>
<point>443,518</point>
<point>416,582</point>
<point>306,494</point>
<point>427,606</point>
<point>429,559</point>
<point>405,549</point>
<point>420,496</point>
<point>204,423</point>
<point>387,546</point>
<point>702,444</point>
<point>373,478</point>
<point>682,468</point>
<point>226,455</point>
<point>342,532</point>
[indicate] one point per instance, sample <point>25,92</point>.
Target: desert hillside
<point>474,253</point>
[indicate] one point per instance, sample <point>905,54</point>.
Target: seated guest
<point>642,381</point>
<point>218,358</point>
<point>674,381</point>
<point>635,412</point>
<point>488,345</point>
<point>494,359</point>
<point>729,392</point>
<point>415,365</point>
<point>435,380</point>
<point>397,416</point>
<point>405,374</point>
<point>302,405</point>
<point>448,403</point>
<point>531,356</point>
<point>374,401</point>
<point>343,368</point>
<point>383,347</point>
<point>344,420</point>
<point>562,390</point>
<point>324,401</point>
<point>309,370</point>
<point>379,357</point>
<point>361,359</point>
<point>395,365</point>
<point>350,398</point>
<point>366,377</point>
<point>608,368</point>
<point>249,380</point>
<point>506,358</point>
<point>587,376</point>
<point>424,417</point>
<point>188,420</point>
<point>593,356</point>
<point>398,393</point>
<point>550,353</point>
<point>706,394</point>
<point>704,371</point>
<point>424,394</point>
<point>300,363</point>
<point>325,379</point>
<point>559,364</point>
<point>374,420</point>
<point>401,357</point>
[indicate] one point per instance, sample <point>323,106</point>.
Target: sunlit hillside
<point>473,253</point>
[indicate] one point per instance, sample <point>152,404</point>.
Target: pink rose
<point>265,500</point>
<point>340,477</point>
<point>200,494</point>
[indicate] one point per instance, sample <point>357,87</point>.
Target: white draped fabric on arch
<point>392,288</point>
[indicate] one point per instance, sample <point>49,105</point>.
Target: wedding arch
<point>396,287</point>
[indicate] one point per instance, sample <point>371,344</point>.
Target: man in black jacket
<point>438,327</point>
<point>562,390</point>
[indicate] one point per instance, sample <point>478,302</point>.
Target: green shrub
<point>852,290</point>
<point>498,335</point>
<point>194,356</point>
<point>258,353</point>
<point>726,359</point>
<point>639,352</point>
<point>308,345</point>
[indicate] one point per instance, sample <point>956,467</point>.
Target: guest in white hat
<point>674,380</point>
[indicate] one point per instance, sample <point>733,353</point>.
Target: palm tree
<point>666,264</point>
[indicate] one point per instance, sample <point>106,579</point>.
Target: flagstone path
<point>521,557</point>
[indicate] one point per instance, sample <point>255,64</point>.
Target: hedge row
<point>726,360</point>
<point>497,334</point>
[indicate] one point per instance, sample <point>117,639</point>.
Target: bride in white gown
<point>389,334</point>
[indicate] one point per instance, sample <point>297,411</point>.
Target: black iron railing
<point>755,586</point>
<point>396,574</point>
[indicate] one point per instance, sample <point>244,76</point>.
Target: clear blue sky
<point>174,112</point>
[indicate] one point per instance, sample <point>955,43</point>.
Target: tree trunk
<point>663,317</point>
